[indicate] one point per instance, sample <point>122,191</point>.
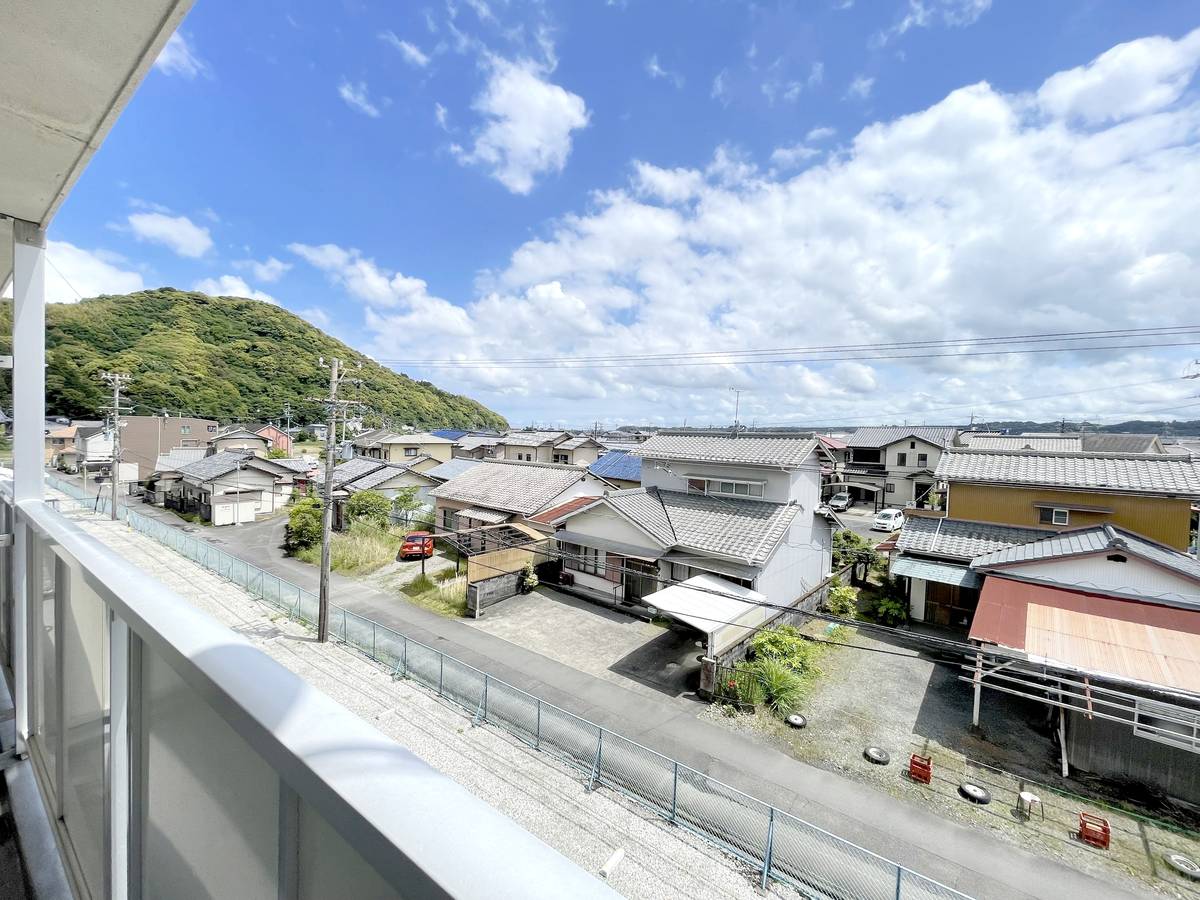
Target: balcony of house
<point>161,754</point>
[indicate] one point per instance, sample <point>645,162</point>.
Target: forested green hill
<point>220,357</point>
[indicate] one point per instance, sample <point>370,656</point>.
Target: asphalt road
<point>967,859</point>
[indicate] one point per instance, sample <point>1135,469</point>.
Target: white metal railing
<point>179,760</point>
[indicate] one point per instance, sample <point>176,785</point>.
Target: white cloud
<point>179,233</point>
<point>816,74</point>
<point>178,58</point>
<point>528,123</point>
<point>820,133</point>
<point>860,87</point>
<point>232,286</point>
<point>442,116</point>
<point>1131,79</point>
<point>73,273</point>
<point>413,55</point>
<point>361,277</point>
<point>720,89</point>
<point>790,157</point>
<point>980,215</point>
<point>269,270</point>
<point>357,97</point>
<point>656,71</point>
<point>927,13</point>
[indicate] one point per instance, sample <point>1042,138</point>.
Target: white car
<point>888,520</point>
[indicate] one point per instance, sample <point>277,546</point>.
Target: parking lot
<point>645,657</point>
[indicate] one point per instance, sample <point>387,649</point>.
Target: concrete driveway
<point>600,642</point>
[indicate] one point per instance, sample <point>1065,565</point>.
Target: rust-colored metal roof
<point>1145,642</point>
<point>556,512</point>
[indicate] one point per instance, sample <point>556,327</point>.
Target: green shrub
<point>891,606</point>
<point>781,686</point>
<point>785,645</point>
<point>370,507</point>
<point>304,525</point>
<point>842,600</point>
<point>747,687</point>
<point>529,579</point>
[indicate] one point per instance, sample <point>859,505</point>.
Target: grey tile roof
<point>1062,443</point>
<point>448,470</point>
<point>1086,541</point>
<point>363,473</point>
<point>942,435</point>
<point>471,441</point>
<point>532,438</point>
<point>961,539</point>
<point>575,443</point>
<point>519,487</point>
<point>179,456</point>
<point>930,570</point>
<point>1102,472</point>
<point>296,464</point>
<point>221,464</point>
<point>1020,442</point>
<point>744,529</point>
<point>777,449</point>
<point>376,478</point>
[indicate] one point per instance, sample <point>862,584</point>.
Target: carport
<point>722,611</point>
<point>860,490</point>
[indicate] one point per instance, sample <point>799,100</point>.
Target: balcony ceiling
<point>67,69</point>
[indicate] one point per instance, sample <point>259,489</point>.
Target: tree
<point>276,453</point>
<point>848,548</point>
<point>304,525</point>
<point>368,506</point>
<point>405,503</point>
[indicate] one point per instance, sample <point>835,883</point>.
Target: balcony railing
<point>177,760</point>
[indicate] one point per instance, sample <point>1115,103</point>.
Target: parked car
<point>841,501</point>
<point>416,543</point>
<point>888,520</point>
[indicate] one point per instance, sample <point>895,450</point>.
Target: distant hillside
<point>220,357</point>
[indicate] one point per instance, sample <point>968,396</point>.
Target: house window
<point>185,429</point>
<point>561,458</point>
<point>448,519</point>
<point>728,488</point>
<point>923,459</point>
<point>902,459</point>
<point>212,428</point>
<point>890,488</point>
<point>588,560</point>
<point>912,445</point>
<point>1167,724</point>
<point>1054,516</point>
<point>410,451</point>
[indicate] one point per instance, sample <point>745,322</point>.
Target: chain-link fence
<point>779,845</point>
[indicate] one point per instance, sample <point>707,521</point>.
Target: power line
<point>831,348</point>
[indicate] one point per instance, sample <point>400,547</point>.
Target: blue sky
<point>487,180</point>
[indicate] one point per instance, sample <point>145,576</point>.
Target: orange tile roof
<point>548,516</point>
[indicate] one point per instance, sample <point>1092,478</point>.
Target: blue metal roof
<point>618,464</point>
<point>450,434</point>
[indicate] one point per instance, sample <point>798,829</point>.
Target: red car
<point>416,543</point>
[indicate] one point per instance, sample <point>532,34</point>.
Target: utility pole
<point>737,406</point>
<point>287,411</point>
<point>332,405</point>
<point>116,380</point>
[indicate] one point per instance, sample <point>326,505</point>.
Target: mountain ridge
<point>226,358</point>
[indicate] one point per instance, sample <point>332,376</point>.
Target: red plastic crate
<point>920,768</point>
<point>1094,830</point>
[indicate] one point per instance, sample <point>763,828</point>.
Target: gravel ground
<point>539,793</point>
<point>904,704</point>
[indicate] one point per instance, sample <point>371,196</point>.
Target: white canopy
<point>718,608</point>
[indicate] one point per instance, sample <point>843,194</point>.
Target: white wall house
<point>744,508</point>
<point>231,488</point>
<point>893,466</point>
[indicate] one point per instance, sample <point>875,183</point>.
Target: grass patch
<point>359,551</point>
<point>442,595</point>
